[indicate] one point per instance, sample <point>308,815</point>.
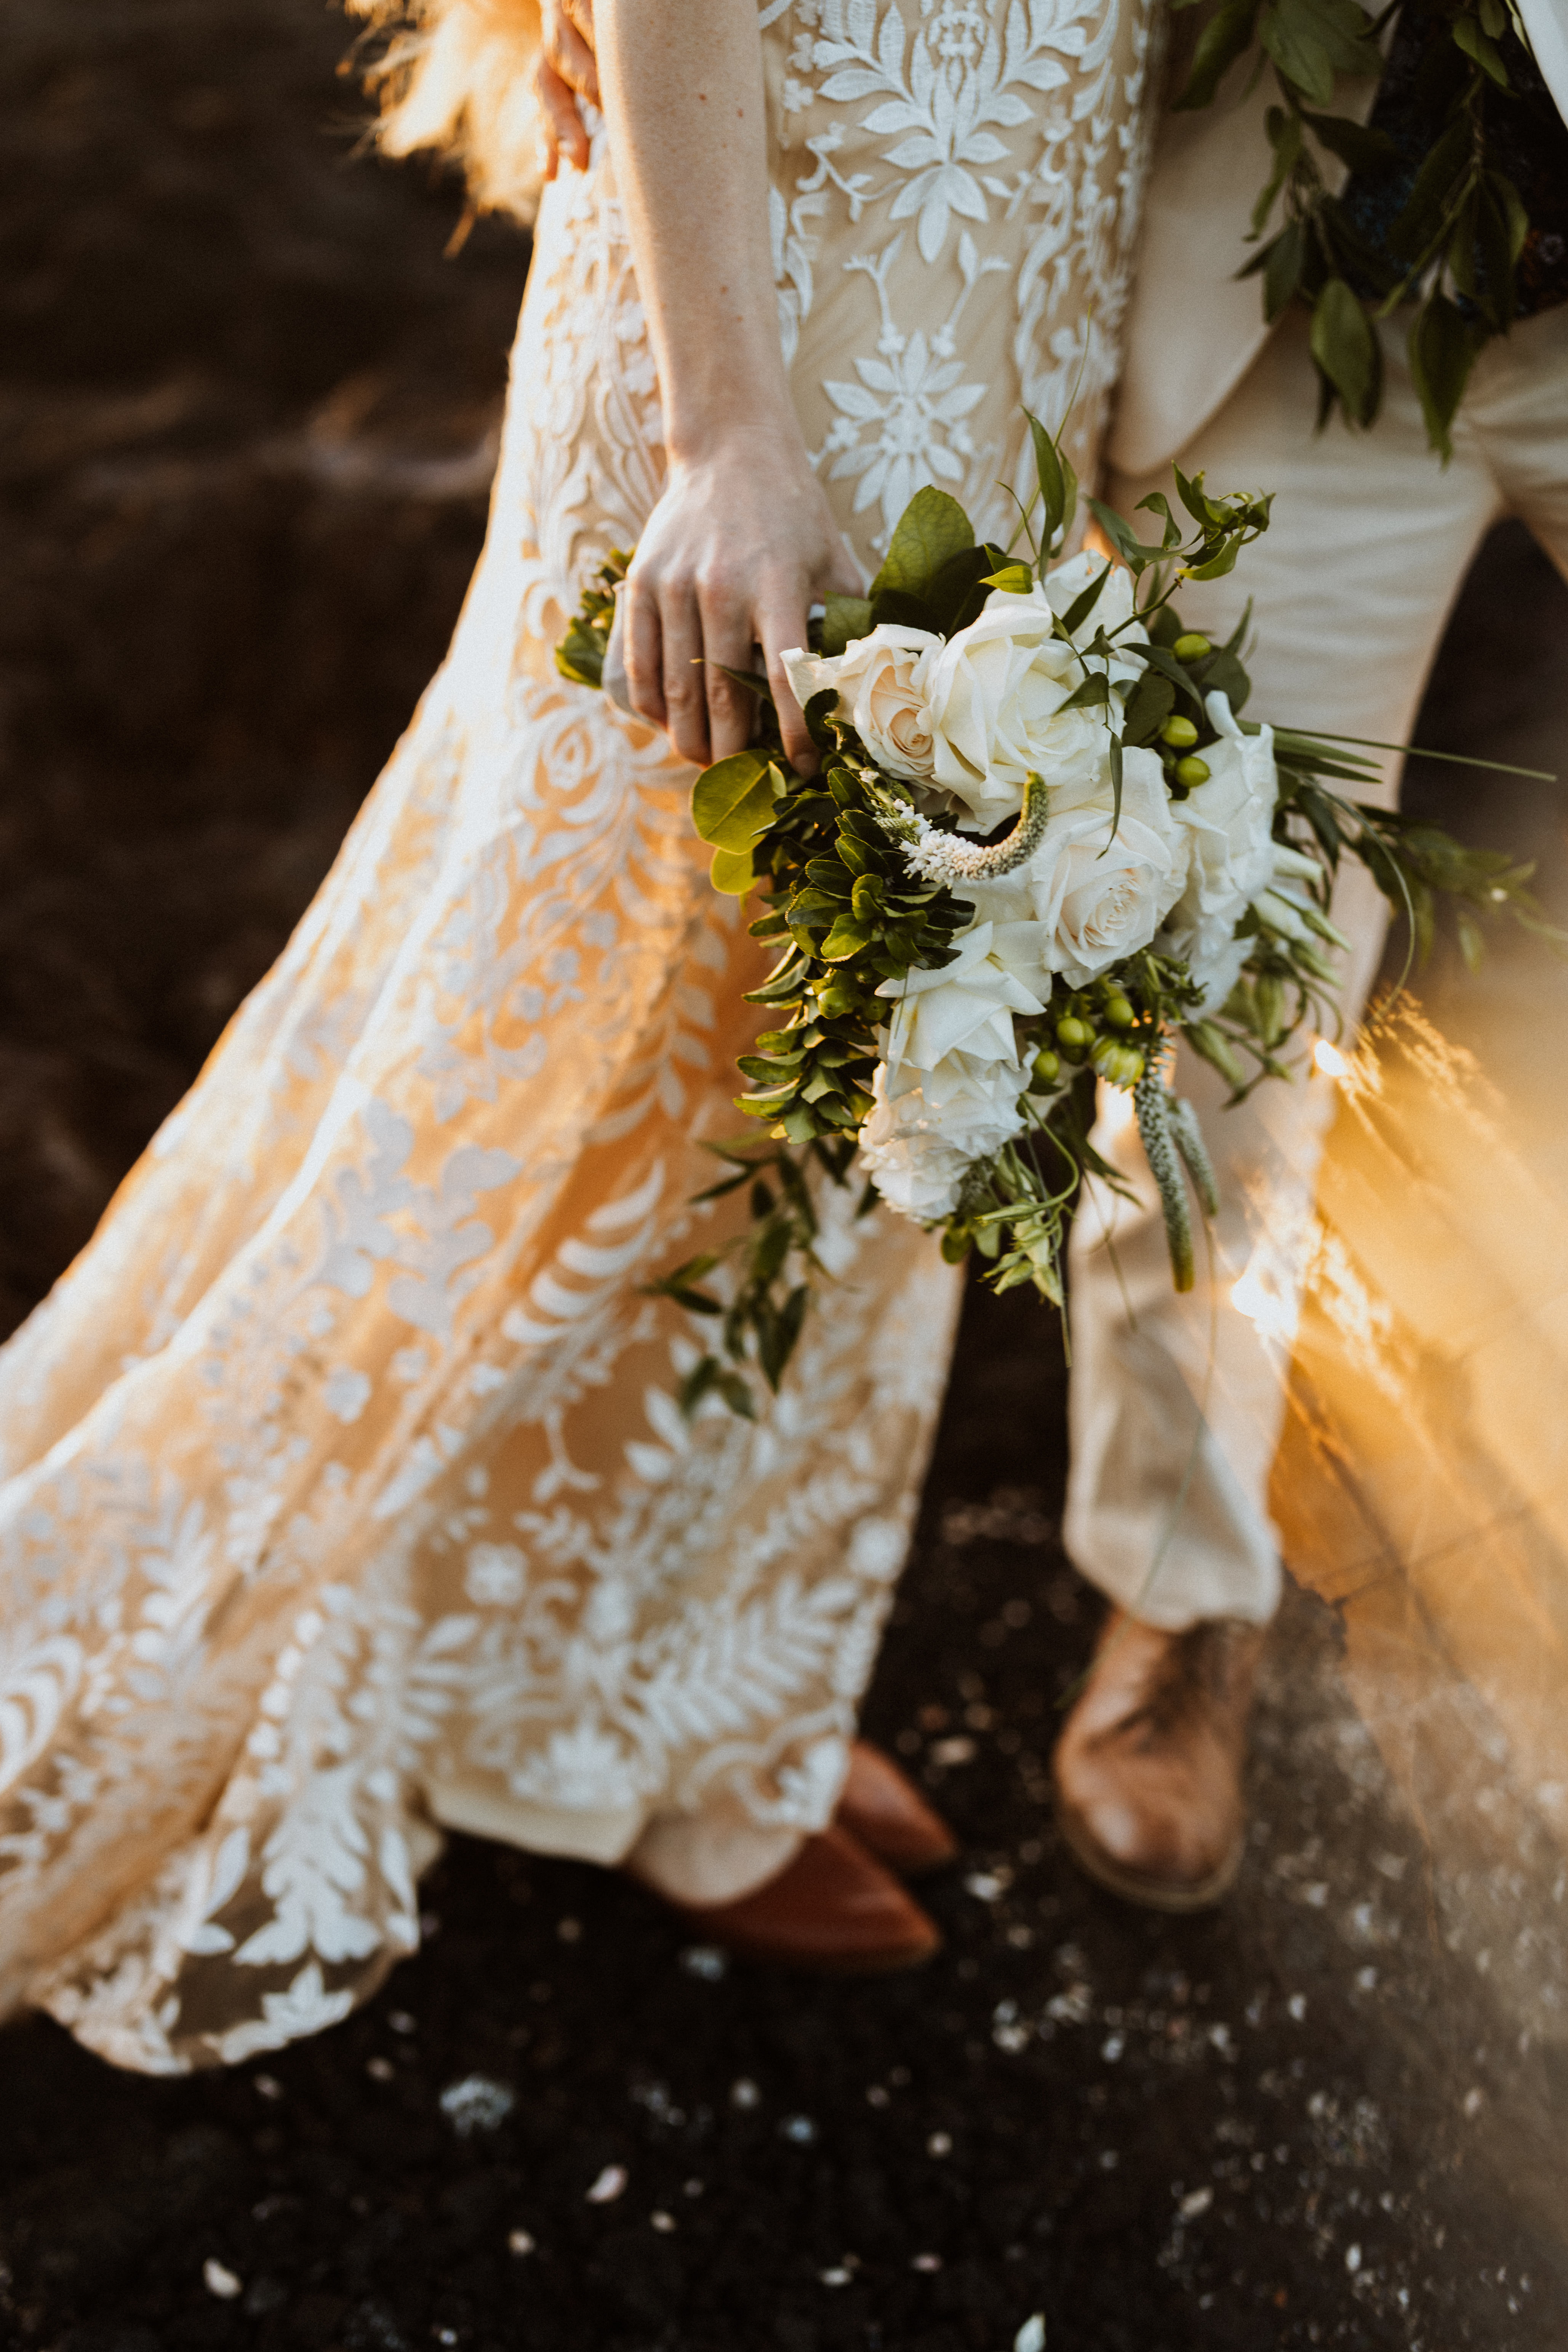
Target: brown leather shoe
<point>1147,1772</point>
<point>889,1816</point>
<point>833,1909</point>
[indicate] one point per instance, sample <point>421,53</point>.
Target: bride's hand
<point>564,72</point>
<point>738,549</point>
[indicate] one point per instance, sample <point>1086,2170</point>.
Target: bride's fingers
<point>561,125</point>
<point>571,56</point>
<point>727,644</point>
<point>644,651</point>
<point>780,629</point>
<point>685,694</point>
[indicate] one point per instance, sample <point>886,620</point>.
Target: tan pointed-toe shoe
<point>892,1820</point>
<point>833,1909</point>
<point>1147,1773</point>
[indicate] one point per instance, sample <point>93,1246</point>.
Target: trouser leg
<point>1177,1401</point>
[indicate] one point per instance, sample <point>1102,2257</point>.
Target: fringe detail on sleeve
<point>455,77</point>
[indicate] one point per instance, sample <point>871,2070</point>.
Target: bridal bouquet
<point>1045,843</point>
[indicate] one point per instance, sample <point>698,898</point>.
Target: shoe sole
<point>1131,1887</point>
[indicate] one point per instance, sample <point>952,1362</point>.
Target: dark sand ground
<point>244,407</point>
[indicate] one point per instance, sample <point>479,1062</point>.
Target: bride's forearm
<point>682,83</point>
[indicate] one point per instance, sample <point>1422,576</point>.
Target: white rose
<point>1114,605</point>
<point>997,688</point>
<point>1228,825</point>
<point>880,683</point>
<point>967,1006</point>
<point>996,693</point>
<point>1096,897</point>
<point>920,1141</point>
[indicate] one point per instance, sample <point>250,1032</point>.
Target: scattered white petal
<point>1296,2005</point>
<point>1196,2201</point>
<point>220,2281</point>
<point>519,2241</point>
<point>610,2184</point>
<point>1352,2258</point>
<point>1474,2101</point>
<point>836,2277</point>
<point>1031,2337</point>
<point>953,1751</point>
<point>269,2086</point>
<point>477,2104</point>
<point>663,2222</point>
<point>939,2144</point>
<point>926,2263</point>
<point>743,2092</point>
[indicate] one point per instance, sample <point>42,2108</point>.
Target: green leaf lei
<point>1454,248</point>
<point>848,910</point>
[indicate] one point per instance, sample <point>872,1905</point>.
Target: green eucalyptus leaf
<point>732,800</point>
<point>1469,36</point>
<point>1227,36</point>
<point>1282,267</point>
<point>959,590</point>
<point>932,528</point>
<point>1442,350</point>
<point>731,872</point>
<point>1051,479</point>
<point>1346,349</point>
<point>847,618</point>
<point>1357,144</point>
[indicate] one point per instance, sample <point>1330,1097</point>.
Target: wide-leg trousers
<point>1177,1401</point>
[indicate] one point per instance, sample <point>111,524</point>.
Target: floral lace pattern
<point>344,1489</point>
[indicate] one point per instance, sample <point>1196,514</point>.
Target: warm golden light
<point>1330,1060</point>
<point>1114,1110</point>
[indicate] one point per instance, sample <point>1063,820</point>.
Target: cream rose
<point>881,683</point>
<point>966,1006</point>
<point>1227,827</point>
<point>1097,897</point>
<point>919,1143</point>
<point>997,694</point>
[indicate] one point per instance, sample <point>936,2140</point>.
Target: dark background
<point>246,410</point>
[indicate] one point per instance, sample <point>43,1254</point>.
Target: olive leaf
<point>1345,346</point>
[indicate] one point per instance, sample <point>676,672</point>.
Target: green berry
<point>1120,1012</point>
<point>1192,771</point>
<point>1178,732</point>
<point>1074,1035</point>
<point>1122,1065</point>
<point>1047,1066</point>
<point>1192,647</point>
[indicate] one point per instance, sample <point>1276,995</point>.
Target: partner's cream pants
<point>1176,1402</point>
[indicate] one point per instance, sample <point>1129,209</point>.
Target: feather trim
<point>456,77</point>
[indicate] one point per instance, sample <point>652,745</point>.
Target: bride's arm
<point>743,539</point>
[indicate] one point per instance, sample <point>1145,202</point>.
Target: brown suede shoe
<point>1147,1772</point>
<point>889,1816</point>
<point>831,1909</point>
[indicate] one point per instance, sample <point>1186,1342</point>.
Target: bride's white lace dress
<point>345,1491</point>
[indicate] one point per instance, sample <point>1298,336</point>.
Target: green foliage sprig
<point>1457,239</point>
<point>851,917</point>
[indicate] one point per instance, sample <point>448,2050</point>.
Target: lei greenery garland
<point>1455,244</point>
<point>838,856</point>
